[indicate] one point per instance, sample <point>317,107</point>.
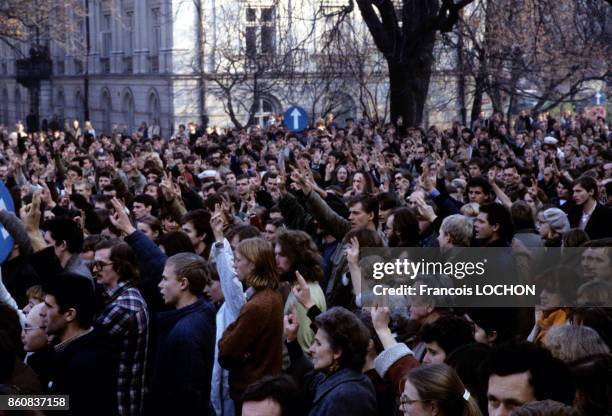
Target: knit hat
<point>557,220</point>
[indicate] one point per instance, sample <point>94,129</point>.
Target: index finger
<point>36,200</point>
<point>300,279</point>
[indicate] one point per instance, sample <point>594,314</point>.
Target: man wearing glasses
<point>125,317</point>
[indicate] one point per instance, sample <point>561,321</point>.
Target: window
<point>264,108</point>
<point>129,33</point>
<point>107,43</point>
<point>260,31</point>
<point>156,28</point>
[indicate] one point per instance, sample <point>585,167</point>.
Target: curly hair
<point>346,333</point>
<point>302,252</point>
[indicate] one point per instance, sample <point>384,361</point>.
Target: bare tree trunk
<point>477,100</point>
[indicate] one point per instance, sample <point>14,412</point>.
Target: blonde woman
<point>251,347</point>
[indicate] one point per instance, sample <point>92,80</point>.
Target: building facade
<point>236,62</point>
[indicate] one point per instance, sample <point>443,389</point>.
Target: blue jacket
<point>345,393</point>
<point>151,261</point>
<point>182,369</point>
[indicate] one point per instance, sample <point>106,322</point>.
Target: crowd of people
<point>220,273</point>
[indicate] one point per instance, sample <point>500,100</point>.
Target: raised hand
<point>291,325</point>
<point>352,251</point>
<point>491,173</point>
<point>424,210</point>
<point>302,292</point>
<point>30,214</point>
<point>301,182</point>
<point>380,317</point>
<point>217,221</point>
<point>120,218</point>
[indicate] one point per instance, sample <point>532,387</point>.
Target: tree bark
<point>408,48</point>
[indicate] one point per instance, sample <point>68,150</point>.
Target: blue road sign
<point>296,119</point>
<point>6,241</point>
<point>599,98</point>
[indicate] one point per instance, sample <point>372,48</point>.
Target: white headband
<point>466,395</point>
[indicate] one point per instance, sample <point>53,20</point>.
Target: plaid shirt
<point>125,318</point>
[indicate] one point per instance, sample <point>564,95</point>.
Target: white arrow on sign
<point>295,114</point>
<point>599,98</point>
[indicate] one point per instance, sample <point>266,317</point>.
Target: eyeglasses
<point>406,401</point>
<point>100,264</point>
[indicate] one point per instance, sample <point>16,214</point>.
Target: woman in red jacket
<point>251,347</point>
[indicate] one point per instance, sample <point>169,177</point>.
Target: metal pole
<point>87,49</point>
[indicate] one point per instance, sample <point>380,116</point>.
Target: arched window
<point>127,107</point>
<point>264,108</point>
<point>107,108</point>
<point>153,107</point>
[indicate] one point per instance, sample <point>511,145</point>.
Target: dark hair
<point>545,408</point>
<point>369,204</point>
<point>449,332</point>
<point>479,182</point>
<point>498,214</point>
<point>549,377</point>
<point>123,258</point>
<point>365,236</point>
<point>588,183</point>
<point>302,251</point>
<point>502,321</point>
<point>10,331</point>
<point>76,169</point>
<point>200,219</point>
<point>366,318</point>
<point>562,280</point>
<point>478,162</point>
<point>91,241</point>
<point>64,229</point>
<point>575,237</point>
<point>74,291</point>
<point>387,200</point>
<point>280,388</point>
<point>152,222</point>
<point>176,242</point>
<point>467,360</point>
<point>593,377</point>
<point>522,215</point>
<point>243,232</point>
<point>346,333</point>
<point>405,228</point>
<point>147,200</point>
<point>193,268</point>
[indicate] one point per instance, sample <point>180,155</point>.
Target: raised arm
<point>231,287</point>
<point>17,230</point>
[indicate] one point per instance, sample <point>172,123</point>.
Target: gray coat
<point>344,393</point>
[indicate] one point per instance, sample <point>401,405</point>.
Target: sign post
<point>296,119</point>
